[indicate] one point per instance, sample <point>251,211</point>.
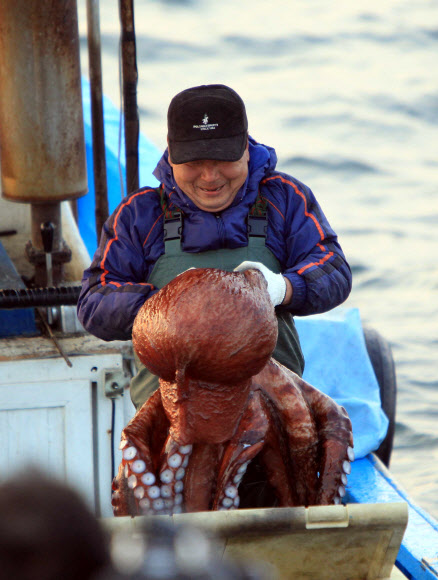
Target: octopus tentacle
<point>298,431</point>
<point>136,474</point>
<point>246,443</point>
<point>336,443</point>
<point>122,501</point>
<point>277,463</point>
<point>201,476</point>
<point>147,430</point>
<point>174,461</point>
<point>334,471</point>
<point>152,494</point>
<point>137,471</point>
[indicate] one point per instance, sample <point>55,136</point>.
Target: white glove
<point>184,271</point>
<point>276,282</point>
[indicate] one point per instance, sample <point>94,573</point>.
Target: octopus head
<point>209,325</point>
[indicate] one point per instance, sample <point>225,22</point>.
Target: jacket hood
<point>262,162</point>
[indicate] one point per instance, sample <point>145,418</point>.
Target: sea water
<point>347,93</point>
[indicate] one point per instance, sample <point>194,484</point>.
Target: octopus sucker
<point>229,426</point>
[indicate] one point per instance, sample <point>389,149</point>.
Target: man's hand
<point>277,283</point>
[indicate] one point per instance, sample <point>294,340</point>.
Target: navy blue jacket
<point>116,284</point>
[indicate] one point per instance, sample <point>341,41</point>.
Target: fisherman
<point>221,204</point>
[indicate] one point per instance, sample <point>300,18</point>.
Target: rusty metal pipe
<point>97,116</point>
<point>41,120</point>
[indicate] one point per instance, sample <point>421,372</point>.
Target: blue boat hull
<point>371,482</point>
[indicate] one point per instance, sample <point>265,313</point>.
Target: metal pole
<point>130,78</point>
<point>96,93</point>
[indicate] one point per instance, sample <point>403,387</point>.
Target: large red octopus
<point>223,403</point>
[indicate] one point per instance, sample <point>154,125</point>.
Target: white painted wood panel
<point>49,426</point>
<point>34,436</point>
<point>58,418</point>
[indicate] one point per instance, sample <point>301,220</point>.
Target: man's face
<point>211,185</point>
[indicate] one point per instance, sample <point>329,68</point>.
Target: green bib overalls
<point>174,261</point>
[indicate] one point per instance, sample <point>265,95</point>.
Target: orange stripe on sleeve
<point>321,261</point>
<point>102,263</point>
<point>275,207</point>
<point>303,197</point>
<point>118,285</point>
<point>312,217</point>
<point>150,231</point>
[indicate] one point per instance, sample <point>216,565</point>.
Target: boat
<point>64,395</point>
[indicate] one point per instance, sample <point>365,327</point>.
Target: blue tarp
<point>148,159</point>
<point>17,321</point>
<point>337,362</point>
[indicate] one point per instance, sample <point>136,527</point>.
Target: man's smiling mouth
<point>211,190</point>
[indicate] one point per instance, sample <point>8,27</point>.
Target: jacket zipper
<point>220,227</point>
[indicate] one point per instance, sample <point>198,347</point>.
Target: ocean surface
<point>347,93</point>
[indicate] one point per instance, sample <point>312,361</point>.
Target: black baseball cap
<point>207,122</point>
